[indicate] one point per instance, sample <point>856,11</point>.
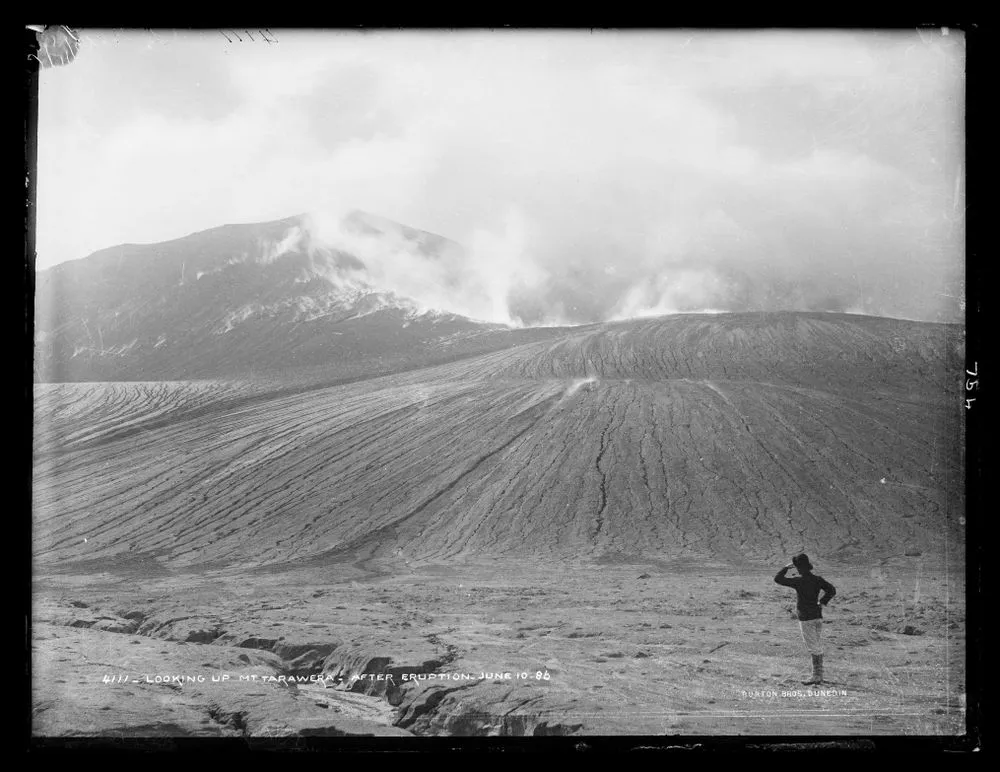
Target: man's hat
<point>801,562</point>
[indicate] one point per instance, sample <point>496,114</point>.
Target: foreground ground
<point>405,649</point>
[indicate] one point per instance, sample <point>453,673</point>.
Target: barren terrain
<point>688,649</point>
<point>605,506</point>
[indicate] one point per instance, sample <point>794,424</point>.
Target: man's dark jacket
<point>808,587</point>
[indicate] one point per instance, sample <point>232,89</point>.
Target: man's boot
<point>817,676</point>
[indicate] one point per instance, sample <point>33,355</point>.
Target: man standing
<point>808,586</point>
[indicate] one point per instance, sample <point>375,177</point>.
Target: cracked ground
<point>496,514</point>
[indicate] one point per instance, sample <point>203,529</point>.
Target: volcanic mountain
<point>731,436</point>
<point>246,300</point>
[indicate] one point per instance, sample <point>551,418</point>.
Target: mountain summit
<point>240,299</point>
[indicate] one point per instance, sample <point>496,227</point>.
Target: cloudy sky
<point>590,175</point>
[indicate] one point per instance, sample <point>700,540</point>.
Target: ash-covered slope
<point>841,351</point>
<point>243,300</point>
<point>739,437</point>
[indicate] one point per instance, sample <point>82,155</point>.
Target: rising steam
<point>438,275</point>
<point>578,384</point>
<point>575,386</point>
<point>494,279</point>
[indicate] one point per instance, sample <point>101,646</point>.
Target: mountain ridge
<point>180,309</point>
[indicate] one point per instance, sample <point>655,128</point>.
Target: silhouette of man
<point>810,607</point>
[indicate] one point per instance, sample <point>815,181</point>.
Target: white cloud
<point>550,155</point>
